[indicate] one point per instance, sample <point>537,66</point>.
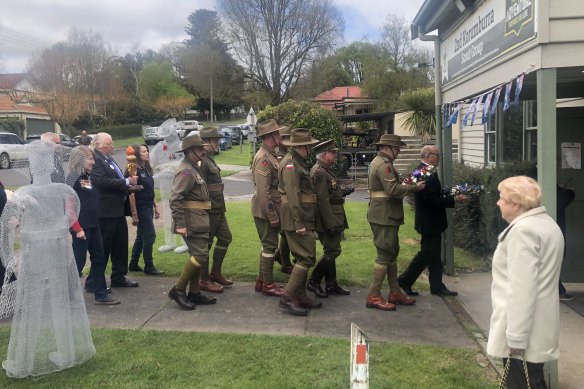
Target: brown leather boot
<point>258,285</point>
<point>286,269</point>
<point>290,303</point>
<point>306,302</point>
<point>378,302</point>
<point>272,289</point>
<point>181,299</point>
<point>218,278</point>
<point>208,286</point>
<point>398,298</point>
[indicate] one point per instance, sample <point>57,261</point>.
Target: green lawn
<point>125,142</point>
<point>234,156</point>
<point>354,266</point>
<point>169,359</point>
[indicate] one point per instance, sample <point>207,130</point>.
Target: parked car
<point>245,128</point>
<point>152,135</point>
<point>65,139</point>
<point>12,148</point>
<point>225,143</point>
<point>235,133</point>
<point>185,126</point>
<point>78,138</point>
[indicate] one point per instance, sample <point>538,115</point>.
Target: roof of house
<point>340,93</point>
<point>7,105</point>
<point>9,81</point>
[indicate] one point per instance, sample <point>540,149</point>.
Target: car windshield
<point>151,130</point>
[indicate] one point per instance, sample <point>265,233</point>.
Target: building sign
<point>493,29</point>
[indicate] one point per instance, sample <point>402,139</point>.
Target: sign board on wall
<point>492,30</point>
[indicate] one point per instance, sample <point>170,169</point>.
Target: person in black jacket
<point>3,200</point>
<point>146,208</point>
<point>430,222</point>
<point>112,189</point>
<point>85,232</point>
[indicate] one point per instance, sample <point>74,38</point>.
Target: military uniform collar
<point>326,166</point>
<point>386,156</point>
<point>269,149</point>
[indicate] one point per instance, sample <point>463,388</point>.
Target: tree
<point>277,40</point>
<point>207,66</point>
<point>74,76</point>
<point>160,87</point>
<point>420,117</point>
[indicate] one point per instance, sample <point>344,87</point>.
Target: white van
<point>188,125</point>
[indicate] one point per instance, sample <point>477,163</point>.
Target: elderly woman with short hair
<point>526,269</point>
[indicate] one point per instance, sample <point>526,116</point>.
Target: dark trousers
<point>429,255</point>
<point>92,243</point>
<point>145,237</point>
<point>516,376</point>
<point>114,232</point>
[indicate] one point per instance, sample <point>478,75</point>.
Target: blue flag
<point>474,114</point>
<point>468,111</point>
<point>454,116</point>
<point>486,106</point>
<point>496,99</point>
<point>507,96</point>
<point>518,87</point>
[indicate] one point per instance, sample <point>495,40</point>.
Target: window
<point>530,139</point>
<point>491,140</point>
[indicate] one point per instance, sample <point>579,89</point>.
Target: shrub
<point>12,124</point>
<point>323,124</point>
<point>477,222</point>
<point>123,131</point>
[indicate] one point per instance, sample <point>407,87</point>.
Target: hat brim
<point>269,132</point>
<point>401,144</point>
<point>286,142</point>
<point>192,147</point>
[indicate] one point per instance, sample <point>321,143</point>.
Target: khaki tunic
<point>299,211</point>
<point>189,185</point>
<point>265,203</point>
<point>329,199</point>
<point>387,211</point>
<point>212,175</point>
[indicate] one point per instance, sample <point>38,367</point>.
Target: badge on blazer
<point>334,183</point>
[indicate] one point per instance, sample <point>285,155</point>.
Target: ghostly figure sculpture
<point>50,328</point>
<point>164,160</point>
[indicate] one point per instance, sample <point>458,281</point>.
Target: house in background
<point>14,103</point>
<point>345,100</point>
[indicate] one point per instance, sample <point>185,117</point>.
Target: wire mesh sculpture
<point>50,329</point>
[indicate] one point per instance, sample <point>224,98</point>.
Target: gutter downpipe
<point>444,143</point>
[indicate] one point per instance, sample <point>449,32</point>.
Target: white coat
<point>524,294</point>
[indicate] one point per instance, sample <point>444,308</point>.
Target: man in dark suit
<point>430,222</point>
<point>112,189</point>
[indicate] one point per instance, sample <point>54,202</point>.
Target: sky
<point>129,26</point>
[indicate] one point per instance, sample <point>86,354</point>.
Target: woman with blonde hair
<point>85,232</point>
<point>524,328</point>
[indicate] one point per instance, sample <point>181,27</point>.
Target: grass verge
<point>169,359</point>
<point>354,266</point>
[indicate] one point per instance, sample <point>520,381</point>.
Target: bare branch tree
<point>277,40</point>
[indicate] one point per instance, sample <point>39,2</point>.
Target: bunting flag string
<point>489,101</point>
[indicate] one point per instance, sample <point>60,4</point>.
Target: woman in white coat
<point>524,293</point>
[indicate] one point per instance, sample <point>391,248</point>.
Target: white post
<point>359,358</point>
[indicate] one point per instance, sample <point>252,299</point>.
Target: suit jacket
<point>111,189</point>
<point>431,206</point>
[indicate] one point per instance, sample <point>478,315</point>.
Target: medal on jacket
<point>334,183</point>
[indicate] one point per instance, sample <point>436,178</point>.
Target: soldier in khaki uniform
<point>265,205</point>
<point>190,204</point>
<point>385,215</point>
<point>298,218</point>
<point>331,220</point>
<point>219,228</point>
<point>282,255</point>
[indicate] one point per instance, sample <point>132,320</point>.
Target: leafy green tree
<point>12,124</point>
<point>323,124</point>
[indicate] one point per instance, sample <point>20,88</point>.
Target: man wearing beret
<point>298,219</point>
<point>385,214</point>
<point>265,205</point>
<point>218,222</point>
<point>331,220</point>
<point>190,205</point>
